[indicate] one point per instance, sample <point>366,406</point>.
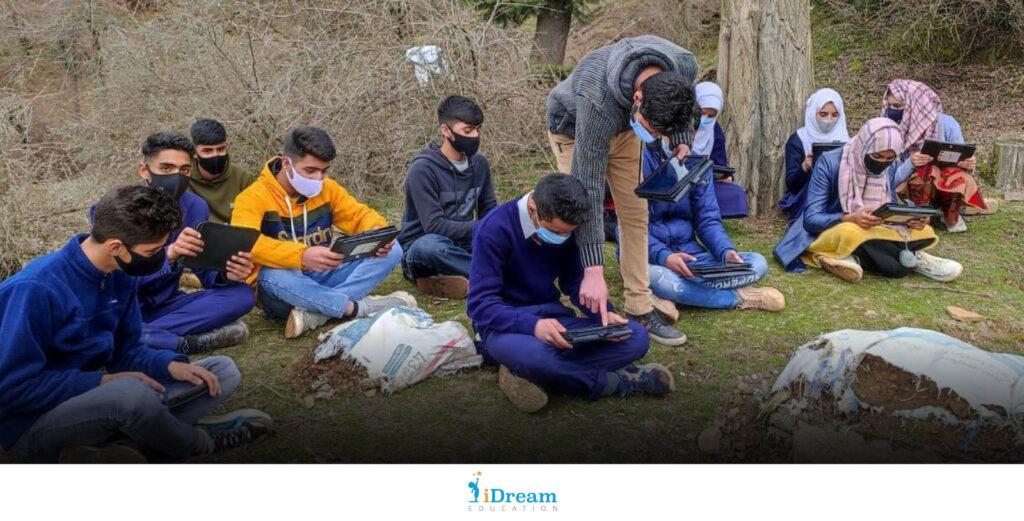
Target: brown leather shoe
<point>768,299</point>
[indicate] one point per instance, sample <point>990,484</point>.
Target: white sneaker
<point>302,320</point>
<point>846,268</point>
<point>959,227</point>
<point>942,270</point>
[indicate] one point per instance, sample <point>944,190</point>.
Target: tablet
<point>900,213</point>
<point>363,245</point>
<point>947,154</point>
<point>723,172</point>
<point>187,396</point>
<point>726,270</point>
<point>817,149</point>
<point>672,180</point>
<point>220,242</point>
<point>597,333</point>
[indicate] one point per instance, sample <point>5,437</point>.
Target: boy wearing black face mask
<point>219,180</point>
<point>74,370</point>
<point>447,190</point>
<point>195,322</point>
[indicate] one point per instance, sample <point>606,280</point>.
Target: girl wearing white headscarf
<point>824,122</point>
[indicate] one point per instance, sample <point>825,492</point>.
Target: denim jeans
<point>434,254</point>
<point>325,292</point>
<point>126,407</point>
<point>714,294</point>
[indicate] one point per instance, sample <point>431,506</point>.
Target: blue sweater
<point>796,179</point>
<point>718,154</point>
<point>512,277</point>
<point>676,227</point>
<point>822,210</point>
<point>62,321</point>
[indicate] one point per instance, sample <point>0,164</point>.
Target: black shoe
<point>230,335</point>
<point>652,379</point>
<point>236,428</point>
<point>660,330</point>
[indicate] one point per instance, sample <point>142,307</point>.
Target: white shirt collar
<point>524,217</point>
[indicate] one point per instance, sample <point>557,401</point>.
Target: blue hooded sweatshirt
<point>62,323</point>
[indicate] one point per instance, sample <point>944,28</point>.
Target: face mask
<point>172,184</point>
<point>827,125</point>
<point>550,237</point>
<point>874,166</point>
<point>309,188</point>
<point>706,121</point>
<point>639,130</point>
<point>213,165</point>
<point>894,114</point>
<point>141,266</point>
<point>465,144</point>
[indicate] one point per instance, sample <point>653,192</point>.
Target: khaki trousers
<point>623,176</point>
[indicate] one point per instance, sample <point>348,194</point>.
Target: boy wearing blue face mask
<point>75,373</point>
<point>523,263</point>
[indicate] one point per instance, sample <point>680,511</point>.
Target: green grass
<point>465,418</point>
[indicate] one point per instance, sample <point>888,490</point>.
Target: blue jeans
<point>434,254</point>
<point>325,292</point>
<point>581,370</point>
<point>126,407</point>
<point>715,294</point>
<point>193,313</point>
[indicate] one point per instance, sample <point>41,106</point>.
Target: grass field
<point>465,418</point>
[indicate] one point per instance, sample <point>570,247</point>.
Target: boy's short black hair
<point>562,196</point>
<point>454,109</point>
<point>309,141</point>
<point>208,132</point>
<point>136,214</point>
<point>668,101</point>
<point>156,143</point>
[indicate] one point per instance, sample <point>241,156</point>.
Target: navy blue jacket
<point>676,227</point>
<point>718,154</point>
<point>796,179</point>
<point>822,210</point>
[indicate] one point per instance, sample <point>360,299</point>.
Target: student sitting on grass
<point>75,375</point>
<point>220,180</point>
<point>295,205</point>
<point>520,251</point>
<point>198,321</point>
<point>673,250</point>
<point>709,140</point>
<point>916,108</point>
<point>447,189</point>
<point>837,230</point>
<point>824,122</point>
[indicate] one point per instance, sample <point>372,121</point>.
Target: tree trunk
<point>1009,166</point>
<point>764,69</point>
<point>553,22</point>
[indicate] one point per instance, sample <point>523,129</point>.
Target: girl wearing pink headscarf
<point>837,230</point>
<point>917,109</point>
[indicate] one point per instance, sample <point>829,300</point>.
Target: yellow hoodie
<point>289,225</point>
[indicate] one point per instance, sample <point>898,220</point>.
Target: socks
<point>355,310</point>
<point>611,383</point>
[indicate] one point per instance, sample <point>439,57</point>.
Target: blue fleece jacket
<point>676,227</point>
<point>62,322</point>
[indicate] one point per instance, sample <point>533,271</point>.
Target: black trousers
<point>882,257</point>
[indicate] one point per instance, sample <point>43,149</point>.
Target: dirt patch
<point>330,377</point>
<point>740,432</point>
<point>884,385</point>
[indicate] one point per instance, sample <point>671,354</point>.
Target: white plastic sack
<point>978,376</point>
<point>401,346</point>
<point>428,61</point>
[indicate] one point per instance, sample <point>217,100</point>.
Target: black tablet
<point>947,154</point>
<point>673,179</point>
<point>363,245</point>
<point>723,172</point>
<point>220,242</point>
<point>900,213</point>
<point>186,397</point>
<point>597,333</point>
<point>817,149</point>
<point>726,270</point>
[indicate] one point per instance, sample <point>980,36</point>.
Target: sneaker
<point>116,452</point>
<point>444,286</point>
<point>847,268</point>
<point>236,428</point>
<point>942,270</point>
<point>302,320</point>
<point>959,227</point>
<point>524,394</point>
<point>768,299</point>
<point>661,331</point>
<point>226,336</point>
<point>651,379</point>
<point>373,304</point>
